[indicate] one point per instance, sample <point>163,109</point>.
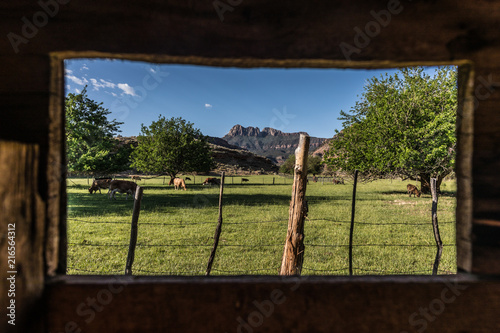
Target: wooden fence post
<point>351,230</point>
<point>435,227</point>
<point>293,254</point>
<point>133,230</point>
<point>218,230</point>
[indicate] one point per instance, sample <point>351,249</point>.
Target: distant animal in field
<point>212,181</point>
<point>187,178</point>
<point>99,183</point>
<point>243,180</point>
<point>135,177</point>
<point>412,189</point>
<point>121,186</point>
<point>178,183</point>
<point>337,181</point>
<point>315,179</point>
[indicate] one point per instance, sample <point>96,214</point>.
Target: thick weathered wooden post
<point>435,227</point>
<point>293,254</point>
<point>133,230</point>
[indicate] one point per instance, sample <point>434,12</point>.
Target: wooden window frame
<point>230,303</point>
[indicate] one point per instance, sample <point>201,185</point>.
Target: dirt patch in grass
<point>402,202</point>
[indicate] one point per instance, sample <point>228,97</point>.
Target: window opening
<point>251,119</point>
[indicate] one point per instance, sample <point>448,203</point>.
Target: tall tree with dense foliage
<point>404,125</point>
<point>171,146</point>
<point>89,136</point>
<point>314,165</point>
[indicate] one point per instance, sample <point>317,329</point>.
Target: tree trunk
<point>425,183</point>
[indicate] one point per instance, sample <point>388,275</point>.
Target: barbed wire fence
<point>185,243</point>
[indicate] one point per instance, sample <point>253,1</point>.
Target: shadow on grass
<point>449,194</point>
<point>85,204</point>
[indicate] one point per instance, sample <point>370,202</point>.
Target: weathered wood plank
<point>463,166</point>
<point>486,246</point>
<point>23,74</point>
<point>56,242</point>
<point>278,29</point>
<point>22,228</point>
<point>272,304</point>
<point>24,117</point>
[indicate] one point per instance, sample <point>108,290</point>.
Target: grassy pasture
<point>392,235</point>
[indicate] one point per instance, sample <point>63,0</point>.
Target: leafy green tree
<point>171,146</point>
<point>404,125</point>
<point>288,165</point>
<point>314,165</point>
<point>89,136</point>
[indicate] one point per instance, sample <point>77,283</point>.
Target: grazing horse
<point>121,186</point>
<point>97,184</point>
<point>211,181</point>
<point>187,178</point>
<point>412,189</point>
<point>178,183</point>
<point>244,180</point>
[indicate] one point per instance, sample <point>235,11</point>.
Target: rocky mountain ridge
<point>238,130</point>
<point>269,142</point>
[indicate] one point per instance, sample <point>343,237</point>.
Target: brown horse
<point>97,184</point>
<point>178,183</point>
<point>412,189</point>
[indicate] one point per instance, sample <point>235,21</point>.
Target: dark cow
<point>121,186</point>
<point>187,178</point>
<point>99,183</point>
<point>412,189</point>
<point>212,181</point>
<point>244,180</point>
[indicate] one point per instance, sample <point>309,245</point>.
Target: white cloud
<point>83,81</point>
<point>208,106</point>
<point>128,90</point>
<point>102,84</point>
<point>95,84</point>
<point>84,67</point>
<point>107,84</point>
<point>68,71</point>
<point>152,70</point>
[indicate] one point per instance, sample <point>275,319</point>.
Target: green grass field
<point>392,235</point>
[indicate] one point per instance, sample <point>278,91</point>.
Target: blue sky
<point>215,99</point>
